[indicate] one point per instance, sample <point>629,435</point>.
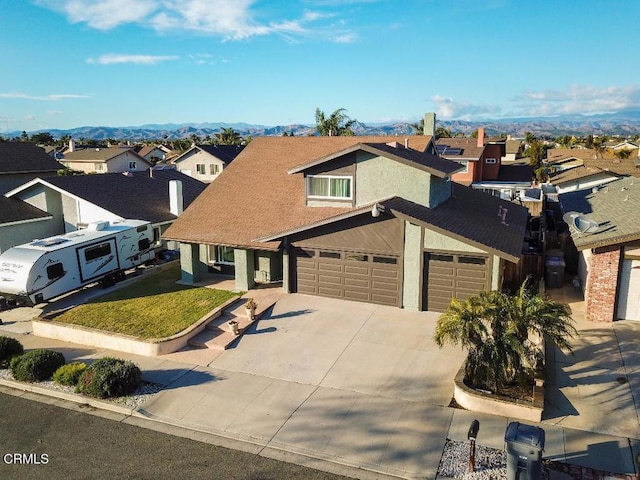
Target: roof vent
<point>393,144</point>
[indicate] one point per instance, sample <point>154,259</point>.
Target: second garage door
<point>449,275</point>
<point>363,277</point>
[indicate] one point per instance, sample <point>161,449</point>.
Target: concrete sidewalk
<point>355,405</point>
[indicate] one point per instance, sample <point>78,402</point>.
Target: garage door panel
<point>329,267</point>
<point>360,276</point>
<point>460,276</point>
<point>629,291</point>
<point>356,270</point>
<point>357,282</point>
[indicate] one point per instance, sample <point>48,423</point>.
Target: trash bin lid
<point>525,434</point>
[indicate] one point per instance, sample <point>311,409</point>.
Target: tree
<point>43,138</point>
<point>598,144</point>
<point>537,152</point>
<point>566,141</point>
<point>503,334</point>
<point>336,124</point>
<point>228,136</point>
<point>622,153</point>
<point>443,132</point>
<point>418,127</point>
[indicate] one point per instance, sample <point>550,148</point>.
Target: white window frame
<point>214,169</point>
<point>132,164</point>
<point>330,177</point>
<point>204,168</point>
<point>490,161</point>
<point>98,166</point>
<point>466,166</point>
<point>214,254</point>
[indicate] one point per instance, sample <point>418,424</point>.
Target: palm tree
<point>228,136</point>
<point>336,124</point>
<point>500,332</point>
<point>598,144</point>
<point>536,151</point>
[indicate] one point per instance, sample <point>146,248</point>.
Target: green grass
<point>154,307</point>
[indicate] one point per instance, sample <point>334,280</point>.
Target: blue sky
<point>71,63</point>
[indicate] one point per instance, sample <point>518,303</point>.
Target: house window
<point>98,167</point>
<point>329,187</point>
<point>465,164</point>
<point>220,254</point>
<point>214,169</point>
<point>490,160</point>
<point>132,165</point>
<point>201,168</point>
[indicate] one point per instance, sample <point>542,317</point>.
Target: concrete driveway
<point>361,385</point>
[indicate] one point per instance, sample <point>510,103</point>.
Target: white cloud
<point>346,38</point>
<point>229,19</point>
<point>53,97</point>
<point>114,58</point>
<point>579,99</point>
<point>448,108</point>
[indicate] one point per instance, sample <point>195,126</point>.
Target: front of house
<point>350,217</point>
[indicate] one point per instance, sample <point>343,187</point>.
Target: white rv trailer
<point>46,268</point>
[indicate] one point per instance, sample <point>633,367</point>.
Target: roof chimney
<point>430,124</point>
<point>175,197</point>
<point>480,137</point>
<point>72,145</point>
<point>406,143</point>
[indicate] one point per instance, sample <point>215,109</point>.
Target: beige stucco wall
<point>188,164</point>
<point>412,264</point>
<point>17,234</point>
<point>437,241</point>
<point>116,164</point>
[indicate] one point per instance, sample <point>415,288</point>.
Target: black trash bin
<point>524,445</point>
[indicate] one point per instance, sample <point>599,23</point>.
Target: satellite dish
<point>585,225</point>
<point>569,216</point>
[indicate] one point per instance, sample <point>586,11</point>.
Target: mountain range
<point>625,123</point>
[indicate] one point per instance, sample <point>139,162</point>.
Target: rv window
<point>97,251</point>
<point>55,271</point>
<point>141,228</point>
<point>143,244</point>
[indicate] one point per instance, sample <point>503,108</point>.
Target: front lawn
<point>154,307</point>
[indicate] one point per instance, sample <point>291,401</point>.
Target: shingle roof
<point>97,154</point>
<point>136,195</point>
<point>469,146</point>
<point>226,153</point>
<point>515,173</point>
<point>260,200</point>
<point>472,216</point>
<point>616,209</point>
<point>255,196</point>
<point>560,154</point>
<point>15,210</point>
<point>22,157</point>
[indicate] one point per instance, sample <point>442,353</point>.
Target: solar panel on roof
<point>441,148</point>
<point>453,151</point>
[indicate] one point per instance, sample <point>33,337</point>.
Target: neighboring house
<point>586,170</point>
<point>616,145</point>
<point>609,251</point>
<point>21,162</point>
<point>353,218</point>
<point>206,162</point>
<point>105,160</point>
<point>75,201</point>
<point>481,160</point>
<point>513,151</point>
<point>156,153</point>
<point>21,223</point>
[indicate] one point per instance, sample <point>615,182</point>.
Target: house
<point>481,160</point>
<point>21,223</point>
<point>357,218</point>
<point>513,150</point>
<point>156,153</point>
<point>158,196</point>
<point>206,162</point>
<point>105,160</point>
<point>23,161</point>
<point>605,228</point>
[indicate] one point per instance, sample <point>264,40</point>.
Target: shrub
<point>69,374</point>
<point>36,365</point>
<point>109,377</point>
<point>9,347</point>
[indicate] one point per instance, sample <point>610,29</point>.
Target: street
<point>41,441</point>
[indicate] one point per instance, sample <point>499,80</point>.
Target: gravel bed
<point>140,396</point>
<point>490,464</point>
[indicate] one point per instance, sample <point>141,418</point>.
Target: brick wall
<point>602,284</point>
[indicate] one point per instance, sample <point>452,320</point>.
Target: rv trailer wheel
<point>108,281</point>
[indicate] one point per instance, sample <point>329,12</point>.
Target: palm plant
<point>228,136</point>
<point>503,334</point>
<point>336,124</point>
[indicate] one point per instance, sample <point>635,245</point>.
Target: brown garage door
<point>450,275</point>
<point>362,277</point>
